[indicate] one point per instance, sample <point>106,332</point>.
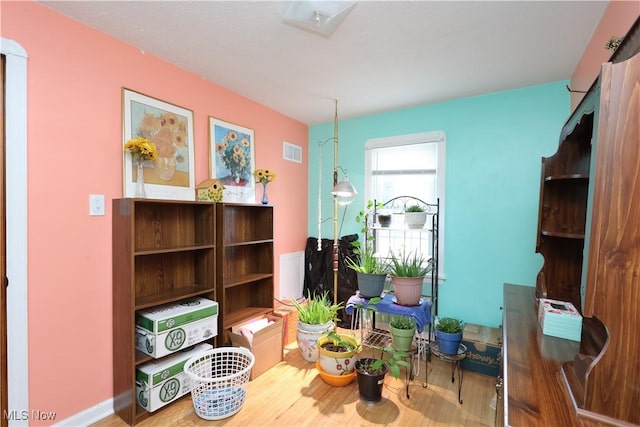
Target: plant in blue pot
<point>449,334</point>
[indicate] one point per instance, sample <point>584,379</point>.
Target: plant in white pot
<point>371,271</point>
<point>402,329</point>
<point>337,357</point>
<point>407,271</point>
<point>316,317</point>
<point>449,334</point>
<point>415,216</point>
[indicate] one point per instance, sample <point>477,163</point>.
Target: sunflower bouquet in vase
<point>141,149</point>
<point>264,176</point>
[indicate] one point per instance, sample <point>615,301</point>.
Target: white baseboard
<point>89,416</point>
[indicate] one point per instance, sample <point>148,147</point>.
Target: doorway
<point>4,402</point>
<point>13,162</point>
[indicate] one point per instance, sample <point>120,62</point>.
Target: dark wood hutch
<point>589,236</point>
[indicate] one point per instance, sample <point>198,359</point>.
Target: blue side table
<point>420,313</point>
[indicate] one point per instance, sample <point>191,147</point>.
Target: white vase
<point>140,193</point>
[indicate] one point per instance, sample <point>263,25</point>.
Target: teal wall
<point>494,146</point>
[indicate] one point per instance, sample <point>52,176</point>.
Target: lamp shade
<point>344,192</point>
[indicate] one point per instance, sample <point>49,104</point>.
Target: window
<point>407,165</point>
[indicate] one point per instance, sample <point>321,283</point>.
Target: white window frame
<point>435,137</point>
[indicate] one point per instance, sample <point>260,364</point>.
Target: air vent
<point>291,152</point>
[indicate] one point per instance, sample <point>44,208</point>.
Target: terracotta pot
<point>335,380</point>
<point>407,290</point>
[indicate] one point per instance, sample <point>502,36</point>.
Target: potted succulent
<point>415,216</point>
<point>449,334</point>
<point>370,270</point>
<point>316,318</point>
<point>371,371</point>
<point>403,329</point>
<point>407,271</point>
<point>337,356</point>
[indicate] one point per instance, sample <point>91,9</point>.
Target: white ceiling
<point>384,56</point>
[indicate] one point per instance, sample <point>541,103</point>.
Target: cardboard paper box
<point>167,316</point>
<point>559,319</point>
<point>483,349</point>
<point>168,328</point>
<point>289,316</point>
<point>266,344</point>
<point>163,381</point>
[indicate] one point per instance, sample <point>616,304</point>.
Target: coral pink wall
<point>75,76</point>
<point>616,22</point>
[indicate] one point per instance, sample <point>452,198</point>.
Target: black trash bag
<point>318,276</point>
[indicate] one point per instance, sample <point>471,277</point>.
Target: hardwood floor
<point>293,394</point>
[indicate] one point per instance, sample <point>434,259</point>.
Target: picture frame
<point>232,160</point>
<point>170,128</point>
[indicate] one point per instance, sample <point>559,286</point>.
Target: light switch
<point>96,204</point>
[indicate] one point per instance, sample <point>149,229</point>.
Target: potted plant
<point>415,216</point>
<point>408,271</point>
<point>371,371</point>
<point>337,357</point>
<point>316,318</point>
<point>370,270</point>
<point>449,334</point>
<point>403,329</point>
<point>384,218</point>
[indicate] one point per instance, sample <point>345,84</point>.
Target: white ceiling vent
<point>291,152</point>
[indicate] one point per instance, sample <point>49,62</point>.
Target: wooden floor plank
<point>293,394</point>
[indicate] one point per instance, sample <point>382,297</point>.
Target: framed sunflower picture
<point>170,173</point>
<point>232,160</point>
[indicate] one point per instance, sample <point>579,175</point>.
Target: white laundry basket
<point>219,378</point>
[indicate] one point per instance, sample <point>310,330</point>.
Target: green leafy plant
<point>411,264</point>
<point>402,322</point>
<point>317,309</point>
<point>449,325</point>
<point>414,209</point>
<point>367,262</point>
<point>337,340</point>
<point>374,366</point>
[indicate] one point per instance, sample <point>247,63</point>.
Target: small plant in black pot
<point>449,334</point>
<point>371,371</point>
